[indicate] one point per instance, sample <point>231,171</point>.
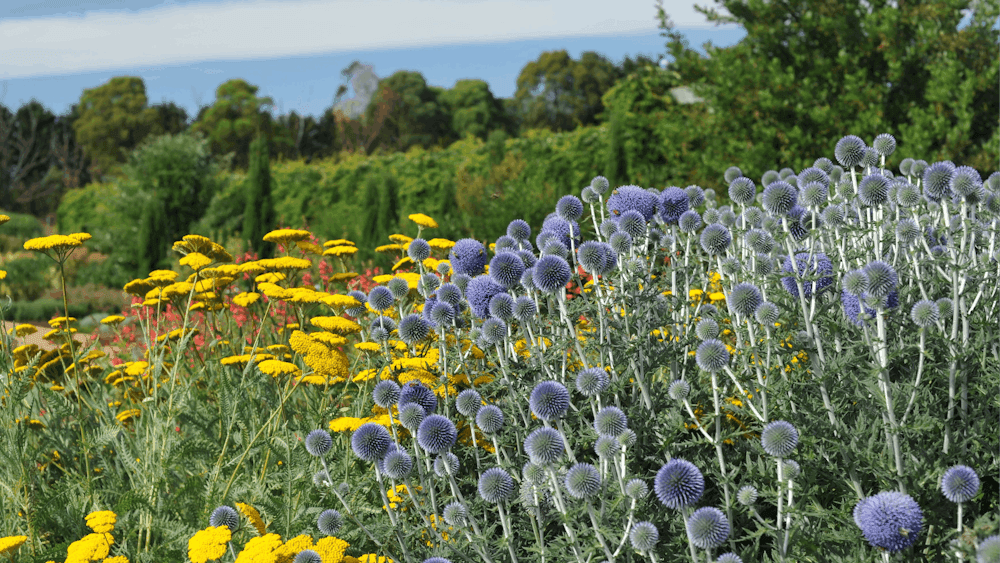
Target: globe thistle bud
<point>937,181</point>
<point>729,557</point>
<point>446,464</point>
<point>814,194</point>
<point>855,282</point>
<point>379,334</point>
<point>742,190</point>
<point>759,240</point>
<point>679,390</point>
<point>873,190</point>
<point>436,434</point>
<point>428,284</point>
<point>456,515</point>
<point>988,550</point>
<point>960,483</point>
<point>385,394</point>
<point>551,273</point>
<point>727,218</point>
<point>849,151</point>
<point>747,495</point>
<point>715,239</point>
<point>769,177</point>
<point>600,184</point>
<point>609,227</point>
<point>569,208</point>
<point>524,308</point>
<point>709,310</point>
<point>779,438</point>
<point>730,266</point>
<point>225,516</point>
<point>591,381</point>
<point>357,311</point>
<point>397,464</point>
<point>628,438</point>
<point>791,469</point>
<point>708,527</point>
<point>544,445</point>
<point>673,202</point>
<point>495,485</point>
<point>489,419</point>
<point>833,215</point>
<point>882,278</point>
<point>779,198</point>
<point>924,313</point>
<point>607,447</point>
<point>307,556</point>
<point>732,173</point>
<point>380,298</point>
<point>468,403</point>
<point>582,481</point>
<point>710,195</point>
<point>610,421</point>
<point>706,329</point>
<point>712,355</point>
<point>321,479</point>
<point>870,159</point>
<point>589,196</point>
<point>824,164</point>
<point>494,331</point>
<point>763,265</point>
<point>416,392</point>
<point>696,196</point>
<point>884,144</point>
<point>968,184</point>
<point>744,299</point>
<point>318,442</point>
<point>620,242</point>
<point>413,328</point>
<point>329,522</point>
<point>597,258</point>
<point>636,489</point>
<point>644,536</point>
<point>814,175</point>
<point>549,400</point>
<point>678,483</point>
<point>398,287</point>
<point>908,195</point>
<point>633,223</point>
<point>418,250</point>
<point>711,216</point>
<point>411,415</point>
<point>689,221</point>
<point>905,166</point>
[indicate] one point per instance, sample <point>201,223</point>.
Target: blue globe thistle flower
<point>562,229</point>
<point>636,489</point>
<point>884,144</point>
<point>744,299</point>
<point>436,434</point>
<point>870,158</point>
<point>307,556</point>
<point>818,266</point>
<point>786,172</point>
<point>318,442</point>
<point>610,421</point>
<point>715,239</point>
<point>850,150</point>
<point>791,468</point>
<point>836,174</point>
<point>370,442</point>
<point>747,495</point>
<point>779,438</point>
<point>742,191</point>
<point>411,415</point>
<point>321,479</point>
<point>398,287</point>
<point>908,195</point>
<point>759,240</point>
<point>889,520</point>
<point>609,227</point>
<point>519,230</point>
<point>524,308</point>
<point>672,204</point>
<point>489,419</point>
<point>505,242</point>
<point>882,278</point>
<point>582,481</point>
<point>752,217</point>
<point>918,168</point>
<point>468,257</point>
<point>937,181</point>
<point>380,298</point>
<point>502,307</point>
<point>379,334</point>
<point>769,177</point>
<point>449,293</point>
<point>924,313</point>
<point>527,257</point>
<point>607,447</point>
<point>428,284</point>
<point>362,298</point>
<point>589,196</point>
<point>732,173</point>
<point>506,268</point>
<point>446,464</point>
<point>906,166</point>
<point>534,473</point>
<point>225,516</point>
<point>763,265</point>
<point>397,464</point>
<point>712,355</point>
<point>633,223</point>
<point>495,485</point>
<point>814,194</point>
<point>711,216</point>
<point>628,438</point>
<point>779,198</point>
<point>455,514</point>
<point>960,483</point>
<point>468,402</point>
<point>437,560</point>
<point>493,331</point>
<point>549,400</point>
<point>442,314</point>
<point>855,282</point>
<point>551,273</point>
<point>629,197</point>
<point>727,218</point>
<point>600,184</point>
<point>592,256</point>
<point>967,183</point>
<point>479,292</point>
<point>709,310</point>
<point>678,484</point>
<point>555,248</point>
<point>815,174</point>
<point>418,250</point>
<point>644,536</point>
<point>988,551</point>
<point>708,527</point>
<point>591,381</point>
<point>833,215</point>
<point>544,445</point>
<point>413,328</point>
<point>706,328</point>
<point>416,392</point>
<point>679,390</point>
<point>873,190</point>
<point>569,207</point>
<point>689,221</point>
<point>329,522</point>
<point>853,303</point>
<point>620,242</point>
<point>729,557</point>
<point>696,196</point>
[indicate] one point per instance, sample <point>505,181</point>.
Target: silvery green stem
<point>745,396</point>
<point>562,510</point>
<point>920,371</point>
<point>597,229</point>
<point>718,450</point>
<point>887,390</point>
<point>646,398</point>
<point>628,527</point>
<point>597,531</point>
<point>781,493</point>
<point>788,519</point>
<point>571,327</point>
<point>506,532</point>
<point>392,514</point>
<point>347,510</point>
<point>694,554</point>
<point>687,405</point>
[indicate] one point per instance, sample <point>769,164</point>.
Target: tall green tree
<point>474,110</point>
<point>114,119</point>
<point>172,117</point>
<point>25,138</point>
<point>259,217</point>
<point>559,93</point>
<point>380,201</point>
<point>416,114</point>
<point>152,236</point>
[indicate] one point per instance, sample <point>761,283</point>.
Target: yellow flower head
<point>10,544</point>
<point>367,346</point>
<point>311,248</point>
<point>196,260</point>
<point>193,243</point>
<point>23,330</point>
<point>82,237</point>
<point>331,549</point>
<point>338,301</point>
<point>59,243</point>
<point>276,367</point>
<point>125,416</point>
<point>423,220</point>
<point>285,237</point>
<point>389,248</point>
<point>404,261</point>
<point>441,243</point>
<point>285,263</point>
<point>209,544</point>
<point>401,239</point>
<point>4,219</point>
<point>345,276</point>
<point>61,321</point>
<point>112,320</point>
<point>92,547</point>
<point>246,299</point>
<point>338,325</point>
<point>116,558</point>
<point>340,251</point>
<point>338,242</point>
<point>253,516</point>
<point>260,549</point>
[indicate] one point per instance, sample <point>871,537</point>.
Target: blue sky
<point>294,50</point>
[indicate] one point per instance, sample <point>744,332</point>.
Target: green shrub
<point>26,277</point>
<point>20,228</point>
<point>44,309</point>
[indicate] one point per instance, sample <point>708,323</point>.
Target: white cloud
<point>176,34</point>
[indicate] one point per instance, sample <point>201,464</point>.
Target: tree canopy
<point>559,93</point>
<point>113,120</point>
<point>474,110</point>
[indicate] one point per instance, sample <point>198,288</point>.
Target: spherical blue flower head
<point>413,328</point>
<point>679,483</point>
<point>711,216</point>
<point>779,198</point>
<point>906,166</point>
<point>591,256</point>
<point>882,278</point>
<point>873,190</point>
<point>918,168</point>
<point>779,438</point>
<point>633,223</point>
<point>528,279</point>
<point>610,421</point>
<point>370,442</point>
<point>747,495</point>
<point>436,434</point>
<point>808,270</point>
<point>398,287</point>
<point>884,144</point>
<point>607,447</point>
<point>768,177</point>
<point>960,483</point>
<point>742,190</point>
<point>385,394</point>
<point>449,293</point>
<point>908,195</point>
<point>380,298</point>
<point>924,313</point>
<point>416,392</point>
<point>600,184</point>
<point>411,415</point>
<point>544,445</point>
<point>706,328</point>
<point>318,442</point>
<point>468,257</point>
<point>967,183</point>
<point>551,273</point>
<point>582,481</point>
<point>715,239</point>
<point>479,292</point>
<point>455,514</point>
<point>673,202</point>
<point>609,227</point>
<point>524,308</point>
<point>850,150</point>
<point>502,307</point>
<point>729,558</point>
<point>632,197</point>
<point>489,419</point>
<point>519,230</point>
<point>591,382</point>
<point>569,207</point>
<point>589,196</point>
<point>696,196</point>
<point>562,229</point>
<point>383,322</point>
<point>620,242</point>
<point>307,556</point>
<point>329,522</point>
<point>495,485</point>
<point>505,242</point>
<point>679,390</point>
<point>468,403</point>
<point>988,551</point>
<point>428,284</point>
<point>937,181</point>
<point>549,400</point>
<point>445,464</point>
<point>744,299</point>
<point>759,240</point>
<point>506,268</point>
<point>494,331</point>
<point>708,527</point>
<point>890,520</point>
<point>418,250</point>
<point>712,355</point>
<point>527,257</point>
<point>442,314</point>
<point>689,221</point>
<point>815,174</point>
<point>814,194</point>
<point>555,248</point>
<point>378,334</point>
<point>362,298</point>
<point>397,464</point>
<point>226,516</point>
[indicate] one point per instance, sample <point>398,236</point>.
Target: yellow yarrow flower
<point>116,558</point>
<point>209,544</point>
<point>112,320</point>
<point>404,261</point>
<point>441,243</point>
<point>260,549</point>
<point>286,236</point>
<point>60,321</point>
<point>367,346</point>
<point>373,558</point>
<point>389,248</point>
<point>340,251</point>
<point>10,544</point>
<point>288,550</point>
<point>401,239</point>
<point>138,288</point>
<point>423,220</point>
<point>58,243</point>
<point>4,218</point>
<point>3,274</point>
<point>285,263</point>
<point>195,260</point>
<point>338,301</point>
<point>275,368</point>
<point>331,549</point>
<point>338,242</point>
<point>92,547</point>
<point>127,415</point>
<point>345,276</point>
<point>23,330</point>
<point>338,325</point>
<point>253,516</point>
